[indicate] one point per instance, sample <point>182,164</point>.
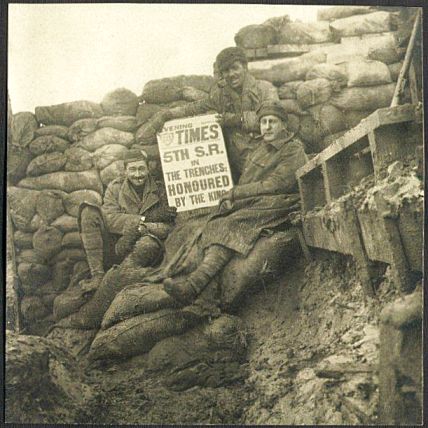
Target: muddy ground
<point>312,359</point>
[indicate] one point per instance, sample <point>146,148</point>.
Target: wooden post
<point>407,60</point>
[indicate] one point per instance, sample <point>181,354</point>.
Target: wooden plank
<point>261,53</point>
<point>412,84</point>
<point>309,166</point>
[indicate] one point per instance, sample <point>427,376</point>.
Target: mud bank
<point>313,343</point>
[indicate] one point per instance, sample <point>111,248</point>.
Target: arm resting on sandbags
<point>116,219</point>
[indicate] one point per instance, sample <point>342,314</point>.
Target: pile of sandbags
<point>159,95</point>
<point>58,158</point>
<point>349,72</point>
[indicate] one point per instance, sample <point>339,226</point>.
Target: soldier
<point>135,208</point>
<point>236,97</point>
<point>264,196</point>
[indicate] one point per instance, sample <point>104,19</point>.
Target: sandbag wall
<point>67,154</point>
<point>349,67</point>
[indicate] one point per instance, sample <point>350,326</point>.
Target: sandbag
<point>105,136</point>
<point>293,123</point>
<point>255,36</point>
<point>24,126</point>
<point>115,170</point>
<point>30,256</point>
<point>122,123</point>
<point>192,94</point>
<point>33,309</point>
<point>146,111</point>
<point>305,32</point>
<point>48,144</point>
<point>338,12</point>
<point>311,133</point>
<point>292,107</point>
<point>386,51</point>
<point>78,160</point>
<point>36,223</point>
<point>221,338</point>
<point>313,92</point>
<point>120,102</point>
<point>107,154</point>
<point>139,334</point>
<point>367,73</point>
<point>395,69</point>
<point>179,103</point>
<point>244,275</point>
<point>290,68</point>
<point>61,274</point>
<point>81,128</point>
<point>33,274</point>
<point>73,200</point>
<point>66,223</point>
<point>367,98</point>
<point>330,72</point>
<point>44,164</point>
<point>23,240</point>
<point>288,91</point>
<point>49,205</point>
<point>71,239</point>
<point>151,150</point>
<point>18,159</point>
<point>146,134</point>
<point>376,22</point>
<point>169,89</point>
<point>354,117</point>
<point>71,254</point>
<point>328,119</point>
<point>22,203</point>
<point>66,181</point>
<point>56,130</point>
<point>137,299</point>
<point>330,139</point>
<point>69,301</point>
<point>47,241</point>
<point>67,113</point>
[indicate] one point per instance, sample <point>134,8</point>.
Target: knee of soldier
<point>90,217</point>
<point>148,251</point>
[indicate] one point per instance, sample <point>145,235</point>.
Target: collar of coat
<point>283,139</point>
<point>150,195</point>
<point>249,92</point>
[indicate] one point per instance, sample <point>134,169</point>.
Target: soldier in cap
<point>236,97</point>
<point>264,196</point>
<point>135,206</point>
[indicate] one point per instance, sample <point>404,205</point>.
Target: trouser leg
<point>92,233</point>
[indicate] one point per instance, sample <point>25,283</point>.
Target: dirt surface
<point>313,345</point>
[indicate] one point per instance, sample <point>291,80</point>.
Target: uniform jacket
<point>122,206</point>
<point>225,100</point>
<point>262,200</point>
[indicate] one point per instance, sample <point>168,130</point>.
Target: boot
<point>185,290</point>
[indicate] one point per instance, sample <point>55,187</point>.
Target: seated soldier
<point>265,194</point>
<point>135,208</point>
<point>236,96</point>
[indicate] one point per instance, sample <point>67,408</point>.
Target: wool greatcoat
<point>239,141</point>
<point>265,194</point>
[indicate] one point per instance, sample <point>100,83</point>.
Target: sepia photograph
<point>214,214</point>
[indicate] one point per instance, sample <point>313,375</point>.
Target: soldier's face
<point>235,75</point>
<point>137,172</point>
<point>271,127</point>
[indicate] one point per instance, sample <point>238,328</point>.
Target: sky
<point>66,52</point>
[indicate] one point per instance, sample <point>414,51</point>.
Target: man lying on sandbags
<point>134,214</point>
<point>262,199</point>
<point>236,100</point>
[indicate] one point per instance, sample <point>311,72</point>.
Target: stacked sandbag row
<point>346,75</point>
<point>58,158</point>
<point>159,95</point>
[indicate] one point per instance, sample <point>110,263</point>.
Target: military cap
<point>228,56</point>
<point>272,107</point>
